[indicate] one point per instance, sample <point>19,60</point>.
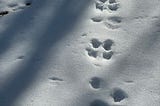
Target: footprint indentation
<point>100,49</point>
<point>118,95</point>
<point>84,34</point>
<point>103,1</point>
<point>98,102</point>
<point>95,82</point>
<point>28,3</point>
<point>2,13</point>
<point>20,57</point>
<point>97,19</point>
<point>17,7</point>
<point>107,55</point>
<point>100,6</point>
<point>13,5</point>
<point>95,43</point>
<point>115,19</point>
<point>55,79</point>
<point>112,1</point>
<point>92,52</point>
<point>107,44</point>
<point>129,81</point>
<point>111,25</point>
<point>113,7</point>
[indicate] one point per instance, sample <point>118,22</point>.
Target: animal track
<point>97,19</point>
<point>100,6</point>
<point>94,51</point>
<point>111,26</point>
<point>28,3</point>
<point>107,55</point>
<point>20,57</point>
<point>115,19</point>
<point>98,102</point>
<point>2,13</point>
<point>107,44</point>
<point>95,82</point>
<point>118,95</point>
<point>113,22</point>
<point>112,1</point>
<point>103,1</point>
<point>112,5</point>
<point>95,43</point>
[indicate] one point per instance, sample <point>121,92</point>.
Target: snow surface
<point>79,52</point>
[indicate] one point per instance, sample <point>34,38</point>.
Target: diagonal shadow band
<point>19,23</point>
<point>63,22</point>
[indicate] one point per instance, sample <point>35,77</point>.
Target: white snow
<point>79,53</point>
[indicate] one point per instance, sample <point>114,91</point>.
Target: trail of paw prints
<point>14,7</point>
<point>101,50</point>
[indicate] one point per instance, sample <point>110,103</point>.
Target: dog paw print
<point>112,22</point>
<point>100,49</point>
<point>112,5</point>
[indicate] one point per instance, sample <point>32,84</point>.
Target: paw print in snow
<point>95,50</point>
<point>111,5</point>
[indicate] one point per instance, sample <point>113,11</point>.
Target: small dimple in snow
<point>20,57</point>
<point>28,3</point>
<point>115,19</point>
<point>55,79</point>
<point>97,19</point>
<point>118,95</point>
<point>95,82</point>
<point>98,102</point>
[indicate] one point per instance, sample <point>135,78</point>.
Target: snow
<point>79,53</point>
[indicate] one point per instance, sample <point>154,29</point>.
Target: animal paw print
<point>95,50</point>
<point>112,22</point>
<point>117,94</point>
<point>112,5</point>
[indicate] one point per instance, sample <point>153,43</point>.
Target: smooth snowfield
<point>79,52</point>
